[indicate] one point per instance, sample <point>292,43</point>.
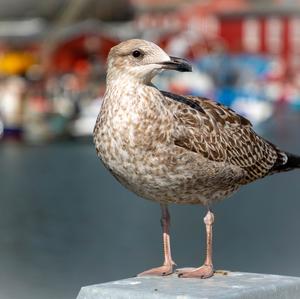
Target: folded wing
<point>219,134</point>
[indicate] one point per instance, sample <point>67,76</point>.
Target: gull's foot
<point>159,271</point>
<point>202,272</point>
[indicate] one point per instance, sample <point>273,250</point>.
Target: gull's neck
<point>127,77</point>
<point>129,104</point>
<point>125,87</point>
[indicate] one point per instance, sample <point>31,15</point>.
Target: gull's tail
<point>293,161</point>
<point>286,162</point>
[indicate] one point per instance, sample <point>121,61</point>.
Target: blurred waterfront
<point>245,54</point>
<point>65,222</point>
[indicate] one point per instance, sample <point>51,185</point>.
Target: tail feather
<point>293,160</point>
<point>286,162</point>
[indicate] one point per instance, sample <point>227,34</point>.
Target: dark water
<point>65,222</point>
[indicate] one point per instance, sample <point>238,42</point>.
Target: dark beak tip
<point>179,64</point>
<point>187,68</point>
<point>184,67</point>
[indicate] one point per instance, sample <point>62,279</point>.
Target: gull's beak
<point>177,64</point>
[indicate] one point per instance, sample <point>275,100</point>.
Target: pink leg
<point>206,270</point>
<point>167,267</point>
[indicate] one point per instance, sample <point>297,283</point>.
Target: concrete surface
<point>234,285</point>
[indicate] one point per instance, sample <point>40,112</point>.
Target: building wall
<point>276,35</point>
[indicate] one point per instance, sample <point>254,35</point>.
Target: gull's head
<point>142,60</point>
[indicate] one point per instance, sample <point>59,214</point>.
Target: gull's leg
<point>167,267</point>
<point>206,270</point>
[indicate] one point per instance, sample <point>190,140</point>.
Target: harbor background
<point>65,222</point>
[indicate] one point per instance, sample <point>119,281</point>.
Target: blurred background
<point>64,221</point>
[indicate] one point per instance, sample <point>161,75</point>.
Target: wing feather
<point>219,134</point>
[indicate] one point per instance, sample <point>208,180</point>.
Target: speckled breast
<point>162,172</point>
<point>137,147</point>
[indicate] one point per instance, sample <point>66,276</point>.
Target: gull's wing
<point>219,134</point>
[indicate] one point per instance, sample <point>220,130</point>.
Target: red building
<point>271,32</point>
<point>74,53</point>
<point>263,27</point>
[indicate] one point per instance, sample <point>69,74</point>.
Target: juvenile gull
<point>176,149</point>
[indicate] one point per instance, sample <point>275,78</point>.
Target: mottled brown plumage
<point>221,135</point>
<point>175,149</point>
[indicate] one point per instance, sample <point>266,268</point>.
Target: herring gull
<point>178,149</point>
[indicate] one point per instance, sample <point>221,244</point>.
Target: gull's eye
<point>136,53</point>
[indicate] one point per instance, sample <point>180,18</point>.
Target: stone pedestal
<point>234,285</point>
